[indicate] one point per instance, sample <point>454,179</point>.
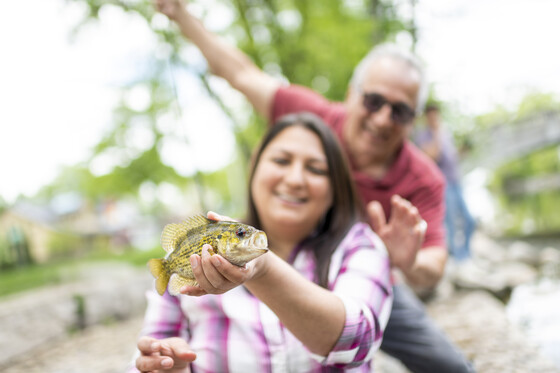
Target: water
<point>535,308</point>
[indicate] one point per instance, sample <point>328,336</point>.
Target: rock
<point>498,281</point>
<point>550,270</point>
<point>534,309</point>
<point>485,249</point>
<point>470,276</point>
<point>515,274</point>
<point>477,323</point>
<point>549,255</point>
<point>523,252</point>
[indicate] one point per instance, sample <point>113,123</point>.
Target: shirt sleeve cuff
<point>347,346</point>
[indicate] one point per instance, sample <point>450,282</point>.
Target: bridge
<point>504,143</point>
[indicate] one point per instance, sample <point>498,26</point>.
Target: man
<point>394,178</point>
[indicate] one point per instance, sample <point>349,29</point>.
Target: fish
<point>238,243</point>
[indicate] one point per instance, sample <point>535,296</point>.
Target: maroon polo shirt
<point>413,176</point>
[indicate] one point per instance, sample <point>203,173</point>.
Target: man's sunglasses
<point>401,113</point>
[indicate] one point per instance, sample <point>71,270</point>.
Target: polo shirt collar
<point>395,173</point>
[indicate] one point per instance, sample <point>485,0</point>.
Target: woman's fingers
<point>215,216</point>
<point>154,355</point>
<point>145,345</point>
<point>212,279</point>
<point>214,274</point>
<point>163,354</point>
<point>153,363</point>
<point>181,352</point>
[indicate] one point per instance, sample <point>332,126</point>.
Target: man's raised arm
<point>225,60</point>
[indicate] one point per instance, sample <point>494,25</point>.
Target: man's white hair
<point>392,51</point>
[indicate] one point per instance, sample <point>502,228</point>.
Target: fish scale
<point>236,242</point>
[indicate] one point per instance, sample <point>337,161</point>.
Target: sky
<point>483,53</point>
<point>57,93</point>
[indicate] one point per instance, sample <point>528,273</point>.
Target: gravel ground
<point>474,319</point>
<point>476,322</point>
<point>98,349</point>
<point>485,336</point>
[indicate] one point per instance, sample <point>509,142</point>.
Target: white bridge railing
<point>504,143</point>
<point>511,141</point>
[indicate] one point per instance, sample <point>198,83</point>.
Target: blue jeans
<point>459,223</point>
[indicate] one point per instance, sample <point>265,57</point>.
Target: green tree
<point>314,43</point>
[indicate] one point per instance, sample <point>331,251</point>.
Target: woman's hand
<point>214,274</point>
<point>164,355</point>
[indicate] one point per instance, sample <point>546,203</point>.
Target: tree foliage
<point>314,43</point>
<point>535,211</point>
<point>531,104</point>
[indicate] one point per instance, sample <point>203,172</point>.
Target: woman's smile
<point>291,199</point>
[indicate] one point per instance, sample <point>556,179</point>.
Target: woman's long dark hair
<point>345,210</point>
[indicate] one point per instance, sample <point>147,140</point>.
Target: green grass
<point>20,279</point>
<point>134,257</point>
<point>15,280</point>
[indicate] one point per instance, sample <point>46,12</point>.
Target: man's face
<point>375,136</point>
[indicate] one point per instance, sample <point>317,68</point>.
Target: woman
<point>319,300</point>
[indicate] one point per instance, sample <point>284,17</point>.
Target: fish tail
<point>160,274</point>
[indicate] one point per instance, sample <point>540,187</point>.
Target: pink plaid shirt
<point>236,332</point>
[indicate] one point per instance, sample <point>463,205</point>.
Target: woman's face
<point>291,186</point>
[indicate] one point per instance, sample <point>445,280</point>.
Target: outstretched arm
<point>320,316</point>
<point>342,326</point>
<point>225,60</point>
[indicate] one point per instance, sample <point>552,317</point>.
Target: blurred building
<point>69,225</point>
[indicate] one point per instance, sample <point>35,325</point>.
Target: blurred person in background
<point>438,144</point>
<point>319,300</point>
<point>401,189</point>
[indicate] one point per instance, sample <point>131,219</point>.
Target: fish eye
<point>240,232</point>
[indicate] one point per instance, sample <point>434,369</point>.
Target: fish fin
<point>173,234</point>
<point>161,276</point>
<point>178,281</point>
<point>196,221</point>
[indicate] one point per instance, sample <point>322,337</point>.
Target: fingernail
<point>194,261</point>
<point>216,261</point>
<point>167,363</point>
<point>204,253</point>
